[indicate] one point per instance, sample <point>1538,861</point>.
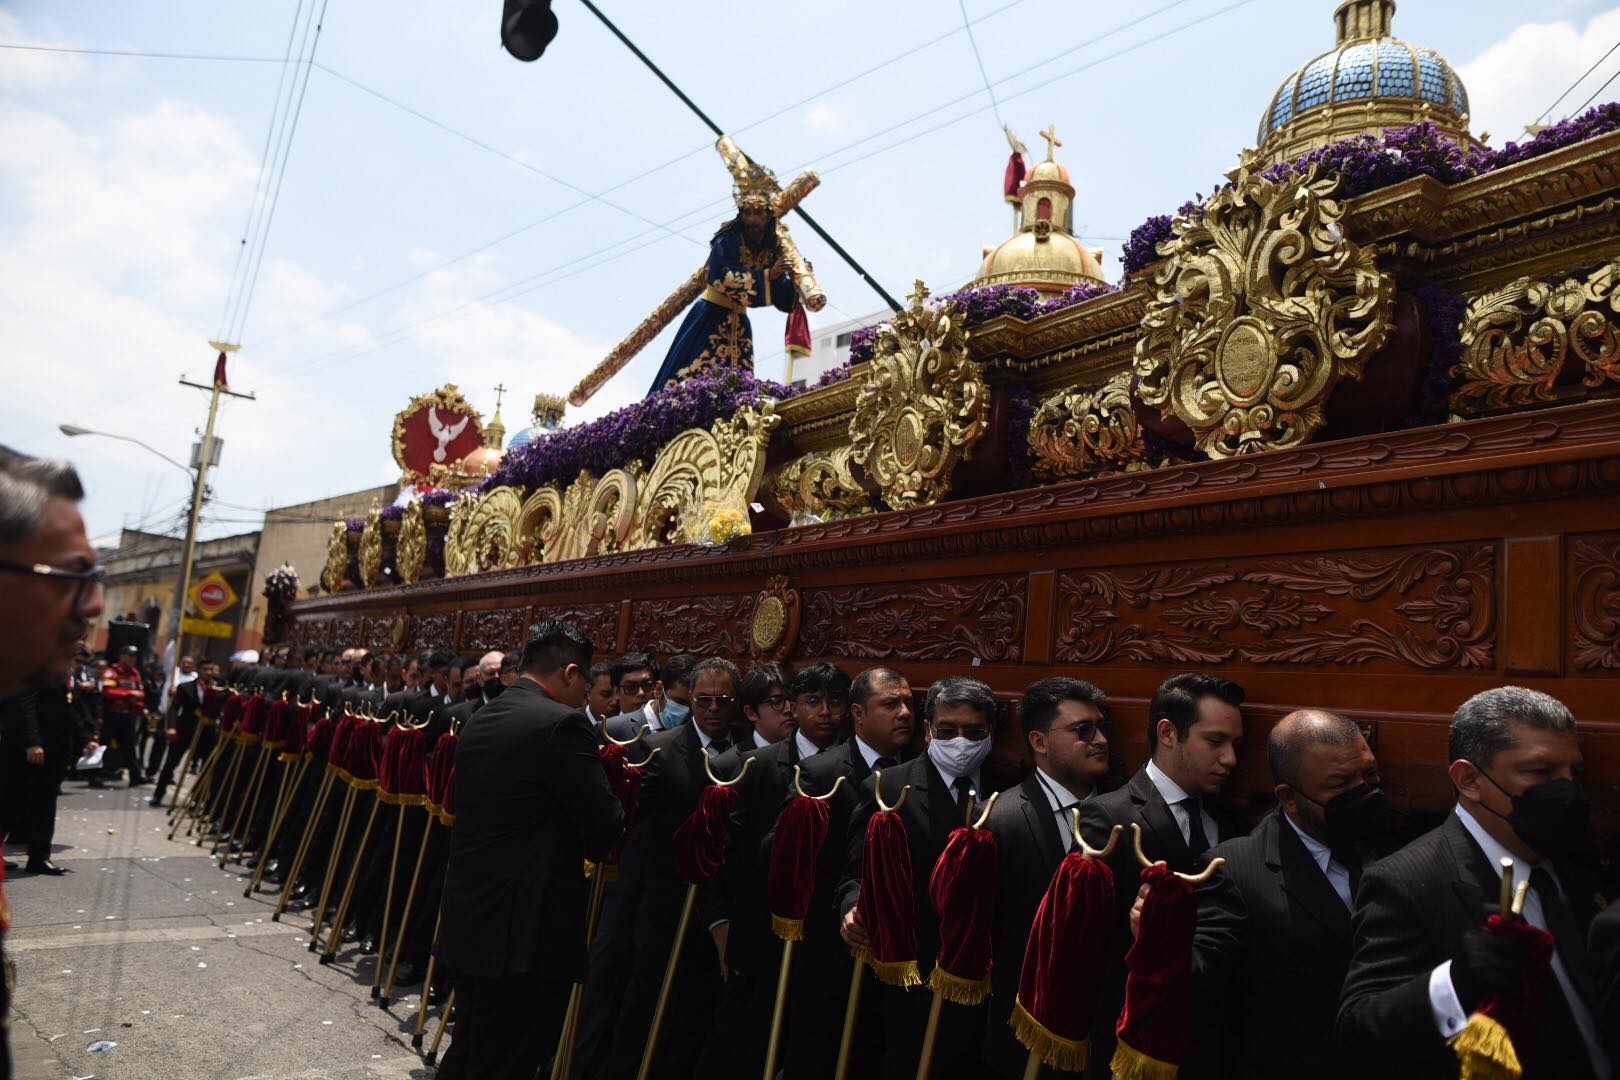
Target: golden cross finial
<point>919,293</point>
<point>1050,135</point>
<point>499,390</point>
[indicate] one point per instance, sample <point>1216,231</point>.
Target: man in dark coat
<point>185,711</point>
<point>1422,962</point>
<point>1273,939</point>
<point>44,733</point>
<point>1064,722</point>
<point>532,803</point>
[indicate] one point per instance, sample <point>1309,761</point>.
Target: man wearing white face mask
<point>961,714</point>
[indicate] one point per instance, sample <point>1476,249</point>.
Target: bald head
<point>1300,730</point>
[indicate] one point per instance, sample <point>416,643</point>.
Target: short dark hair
<point>1042,698</point>
<point>679,669</point>
<point>762,678</point>
<point>1286,744</point>
<point>598,669</point>
<point>1177,699</point>
<point>713,663</point>
<point>440,660</point>
<point>554,644</point>
<point>460,662</point>
<point>1480,726</point>
<point>26,485</point>
<point>821,677</point>
<point>867,682</point>
<point>633,661</point>
<point>396,664</point>
<point>962,690</point>
<point>511,661</point>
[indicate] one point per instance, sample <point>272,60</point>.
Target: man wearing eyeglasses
<point>1065,726</point>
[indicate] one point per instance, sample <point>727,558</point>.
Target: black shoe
<point>45,866</point>
<point>407,974</point>
<point>368,945</point>
<point>10,865</point>
<point>98,783</point>
<point>275,876</point>
<point>139,783</point>
<point>350,932</point>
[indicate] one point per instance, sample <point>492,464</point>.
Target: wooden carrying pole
<point>388,901</point>
<point>331,866</point>
<point>336,931</point>
<point>449,1007</point>
<point>247,807</point>
<point>196,796</point>
<point>405,915</point>
<point>291,780</point>
<point>291,881</point>
<point>427,991</point>
<point>562,1063</point>
<point>851,1009</point>
<point>185,761</point>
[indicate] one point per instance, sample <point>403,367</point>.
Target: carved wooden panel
<point>704,626</point>
<point>1418,607</point>
<point>599,622</point>
<point>1596,567</point>
<point>345,632</point>
<point>434,631</point>
<point>941,620</point>
<point>499,629</point>
<point>378,632</point>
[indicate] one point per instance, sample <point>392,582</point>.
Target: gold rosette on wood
<point>924,404</point>
<point>1087,430</point>
<point>1262,307</point>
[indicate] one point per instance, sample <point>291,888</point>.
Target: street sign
<point>212,595</point>
<point>207,628</point>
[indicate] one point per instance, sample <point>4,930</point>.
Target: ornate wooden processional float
<point>1349,434</point>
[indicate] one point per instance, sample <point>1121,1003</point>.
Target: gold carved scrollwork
<point>1518,339</point>
<point>337,558</point>
<point>1083,431</point>
<point>371,549</point>
<point>820,486</point>
<point>924,404</point>
<point>459,558</point>
<point>702,473</point>
<point>489,534</point>
<point>410,551</point>
<point>1262,307</point>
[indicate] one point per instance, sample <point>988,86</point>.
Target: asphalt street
<point>150,945</point>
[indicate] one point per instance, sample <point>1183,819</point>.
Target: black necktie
<point>1348,857</point>
<point>884,763</point>
<point>719,746</point>
<point>1197,842</point>
<point>1567,937</point>
<point>1065,816</point>
<point>963,787</point>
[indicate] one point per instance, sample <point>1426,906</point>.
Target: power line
<point>1598,91</point>
<point>983,74</point>
<point>140,55</point>
<point>1578,82</point>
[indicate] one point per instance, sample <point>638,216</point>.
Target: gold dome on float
<point>1043,254</point>
<point>483,461</point>
<point>1369,82</point>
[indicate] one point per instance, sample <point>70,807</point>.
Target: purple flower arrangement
<point>1442,317</point>
<point>637,431</point>
<point>392,512</point>
<point>1365,163</point>
<point>1020,411</point>
<point>281,584</point>
<point>438,497</point>
<point>354,525</point>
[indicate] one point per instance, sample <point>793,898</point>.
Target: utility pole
<point>188,550</point>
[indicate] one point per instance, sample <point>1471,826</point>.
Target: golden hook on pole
<point>1192,879</point>
<point>877,793</point>
<point>708,767</point>
<point>984,811</point>
<point>1086,849</point>
<point>799,787</point>
<point>632,740</point>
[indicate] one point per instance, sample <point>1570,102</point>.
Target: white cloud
<point>828,119</point>
<point>30,70</point>
<point>1516,78</point>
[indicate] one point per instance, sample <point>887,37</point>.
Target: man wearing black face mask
<point>1422,962</point>
<point>1273,939</point>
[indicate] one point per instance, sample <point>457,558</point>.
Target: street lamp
<point>72,430</point>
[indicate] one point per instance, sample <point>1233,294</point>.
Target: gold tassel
<point>1130,1063</point>
<point>1485,1051</point>
<point>957,990</point>
<point>898,973</point>
<point>1067,1055</point>
<point>787,929</point>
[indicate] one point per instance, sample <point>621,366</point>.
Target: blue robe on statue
<point>716,335</point>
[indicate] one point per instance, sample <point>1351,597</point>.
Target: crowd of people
<point>556,852</point>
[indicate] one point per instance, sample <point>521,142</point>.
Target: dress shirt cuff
<point>1448,1011</point>
<point>717,922</point>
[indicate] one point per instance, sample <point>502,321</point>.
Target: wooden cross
<point>1050,135</point>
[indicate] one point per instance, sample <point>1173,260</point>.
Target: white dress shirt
<point>1063,802</point>
<point>868,755</point>
<point>807,749</point>
<point>1337,873</point>
<point>649,716</point>
<point>1172,794</point>
<point>760,741</point>
<point>703,738</point>
<point>1448,1011</point>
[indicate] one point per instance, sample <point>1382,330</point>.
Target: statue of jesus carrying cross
<point>753,262</point>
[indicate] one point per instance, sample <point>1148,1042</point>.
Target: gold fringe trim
<point>363,785</point>
<point>899,973</point>
<point>448,819</point>
<point>787,929</point>
<point>1067,1055</point>
<point>955,989</point>
<point>274,744</point>
<point>1131,1064</point>
<point>1485,1051</point>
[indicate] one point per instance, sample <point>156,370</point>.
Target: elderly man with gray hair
<point>1422,962</point>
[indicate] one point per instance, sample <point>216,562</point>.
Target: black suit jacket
<point>738,892</point>
<point>1273,945</point>
<point>930,814</point>
<point>1604,945</point>
<point>1029,848</point>
<point>672,782</point>
<point>532,803</point>
<point>1411,912</point>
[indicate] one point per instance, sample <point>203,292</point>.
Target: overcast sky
<point>125,184</point>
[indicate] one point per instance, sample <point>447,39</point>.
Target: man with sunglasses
<point>1065,726</point>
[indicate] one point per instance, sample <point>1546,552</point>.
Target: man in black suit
<point>672,782</point>
<point>185,711</point>
<point>532,803</point>
<point>1604,944</point>
<point>961,714</point>
<point>1273,939</point>
<point>42,734</point>
<point>736,908</point>
<point>1422,962</point>
<point>880,705</point>
<point>602,700</point>
<point>635,678</point>
<point>767,704</point>
<point>1193,729</point>
<point>1065,725</point>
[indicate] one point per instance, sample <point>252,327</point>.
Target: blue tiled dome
<point>1357,71</point>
